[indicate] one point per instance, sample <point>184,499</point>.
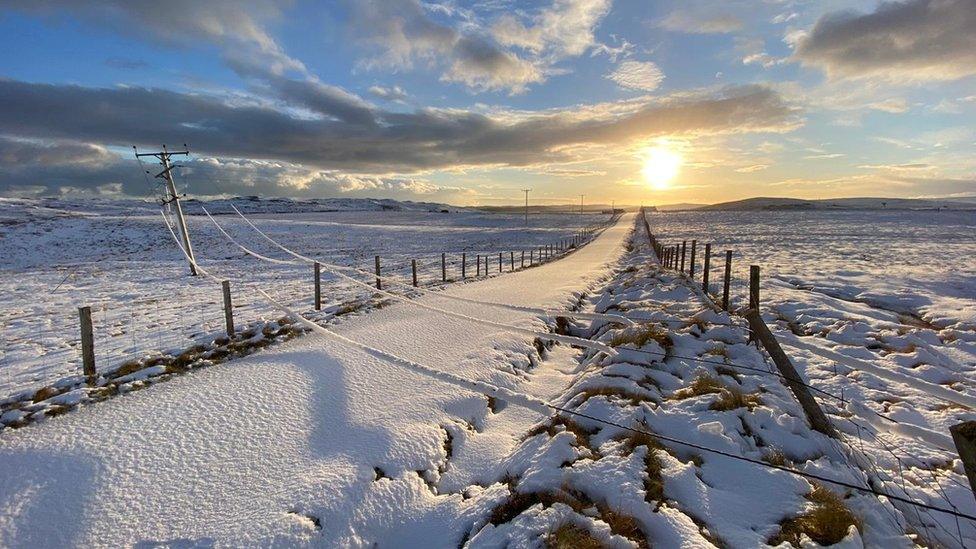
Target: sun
<point>661,165</point>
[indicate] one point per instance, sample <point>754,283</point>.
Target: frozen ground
<point>314,442</point>
<point>896,289</point>
<point>308,441</point>
<point>120,260</point>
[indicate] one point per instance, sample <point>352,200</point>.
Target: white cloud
<point>395,93</point>
<point>637,75</point>
<point>565,29</point>
<point>700,23</point>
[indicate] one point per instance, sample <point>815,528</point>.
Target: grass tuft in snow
<point>827,523</point>
<point>571,536</point>
<point>775,456</point>
<point>624,525</point>
<point>559,424</point>
<point>518,502</point>
<point>654,483</point>
<point>704,384</point>
<point>732,398</point>
<point>638,336</point>
<point>623,394</point>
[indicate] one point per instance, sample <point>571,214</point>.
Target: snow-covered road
<point>308,441</point>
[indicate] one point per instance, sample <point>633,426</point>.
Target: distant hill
<point>256,204</point>
<point>768,203</point>
<point>679,206</point>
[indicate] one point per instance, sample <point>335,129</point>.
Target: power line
<point>533,403</point>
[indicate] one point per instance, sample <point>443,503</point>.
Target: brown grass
<point>640,335</point>
<point>704,384</point>
<point>624,525</point>
<point>518,502</point>
<point>826,524</point>
<point>618,392</point>
<point>732,398</point>
<point>45,393</point>
<point>654,483</point>
<point>552,427</point>
<point>775,456</point>
<point>571,536</point>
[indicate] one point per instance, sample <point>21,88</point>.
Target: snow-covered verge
<point>118,258</point>
<point>311,441</point>
<point>839,291</point>
<point>610,471</point>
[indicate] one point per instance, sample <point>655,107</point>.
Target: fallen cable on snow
<point>620,319</point>
<point>545,408</point>
<point>937,391</point>
<point>569,340</point>
<point>246,250</point>
<point>903,429</point>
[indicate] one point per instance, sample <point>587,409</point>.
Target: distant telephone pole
<point>174,198</point>
<point>526,191</point>
<point>581,209</point>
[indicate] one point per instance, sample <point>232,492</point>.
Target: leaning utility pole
<point>526,191</point>
<point>173,197</point>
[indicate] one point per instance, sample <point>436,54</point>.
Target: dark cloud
<point>370,140</point>
<point>915,40</point>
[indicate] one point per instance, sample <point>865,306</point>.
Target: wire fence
<point>924,499</point>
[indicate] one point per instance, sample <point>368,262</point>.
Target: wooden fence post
<point>229,307</point>
<point>964,436</point>
<point>818,420</point>
<point>499,261</point>
<point>706,267</point>
<point>413,267</point>
<point>478,273</point>
<point>87,343</point>
<point>684,251</point>
<point>754,287</point>
<point>728,279</point>
<point>318,285</point>
<point>512,258</point>
<point>523,259</point>
<point>379,284</point>
<point>691,265</point>
<point>444,266</point>
<point>464,265</point>
<point>531,257</point>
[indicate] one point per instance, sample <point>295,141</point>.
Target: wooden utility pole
<point>173,198</point>
<point>526,191</point>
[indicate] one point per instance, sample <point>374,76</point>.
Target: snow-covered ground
<point>118,258</point>
<point>309,441</point>
<point>895,289</point>
<point>316,442</point>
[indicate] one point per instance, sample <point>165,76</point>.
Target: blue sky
<point>468,102</point>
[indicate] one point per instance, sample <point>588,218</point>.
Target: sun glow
<point>661,165</point>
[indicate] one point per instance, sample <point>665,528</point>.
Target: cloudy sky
<point>637,101</point>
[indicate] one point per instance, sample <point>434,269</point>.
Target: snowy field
<point>119,258</point>
<point>894,289</point>
<point>443,432</point>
